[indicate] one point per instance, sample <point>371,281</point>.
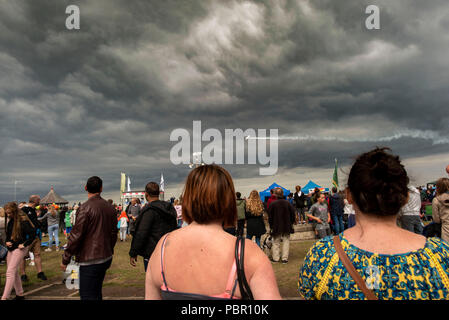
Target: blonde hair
<point>254,204</point>
<point>2,212</point>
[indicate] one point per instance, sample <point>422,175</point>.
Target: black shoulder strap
<point>245,290</point>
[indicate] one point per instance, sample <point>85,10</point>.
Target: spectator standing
<point>178,208</point>
<point>290,199</point>
<point>61,223</point>
<point>157,219</point>
<point>349,211</point>
<point>52,217</point>
<point>320,213</point>
<point>272,198</point>
<point>133,213</point>
<point>187,264</point>
<point>281,217</point>
<point>73,215</point>
<point>96,223</point>
<point>254,216</point>
<point>300,199</point>
<point>410,213</point>
<point>35,247</point>
<point>390,263</point>
<point>20,234</point>
<point>336,211</point>
<point>67,222</point>
<point>123,221</point>
<point>241,209</point>
<point>440,207</point>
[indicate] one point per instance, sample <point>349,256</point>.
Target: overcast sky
<point>104,99</point>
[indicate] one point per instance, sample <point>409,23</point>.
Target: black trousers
<point>240,226</point>
<point>91,280</point>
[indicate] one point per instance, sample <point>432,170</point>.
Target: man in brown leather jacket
<point>92,241</point>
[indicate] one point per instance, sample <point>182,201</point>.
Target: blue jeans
<point>91,280</point>
<point>53,231</point>
<point>338,224</point>
<point>351,220</point>
<point>412,224</point>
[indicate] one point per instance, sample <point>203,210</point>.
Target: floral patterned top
<point>420,274</point>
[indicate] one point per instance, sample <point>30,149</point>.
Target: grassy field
<point>123,280</point>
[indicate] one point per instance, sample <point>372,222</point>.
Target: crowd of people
<point>212,243</point>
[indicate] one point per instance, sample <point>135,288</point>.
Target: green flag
<point>335,177</point>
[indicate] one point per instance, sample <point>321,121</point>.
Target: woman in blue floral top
<point>394,263</point>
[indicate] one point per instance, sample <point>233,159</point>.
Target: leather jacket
<point>94,234</point>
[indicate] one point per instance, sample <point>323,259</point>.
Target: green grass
<point>123,275</point>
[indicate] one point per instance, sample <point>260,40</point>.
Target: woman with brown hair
<point>198,261</point>
<point>255,226</point>
<point>20,233</point>
<point>440,207</point>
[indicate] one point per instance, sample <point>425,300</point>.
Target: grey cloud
<point>104,99</point>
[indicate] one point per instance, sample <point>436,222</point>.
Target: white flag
<point>129,184</point>
<point>162,188</point>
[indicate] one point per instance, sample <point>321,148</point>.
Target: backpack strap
<point>369,294</point>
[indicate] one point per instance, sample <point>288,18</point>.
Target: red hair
<point>209,196</point>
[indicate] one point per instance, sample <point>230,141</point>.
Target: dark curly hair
<point>378,182</point>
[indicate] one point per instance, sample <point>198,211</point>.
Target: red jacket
<point>272,198</point>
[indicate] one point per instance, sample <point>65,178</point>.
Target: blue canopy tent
<point>266,192</point>
<point>310,186</point>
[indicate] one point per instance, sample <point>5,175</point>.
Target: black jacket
<point>299,200</point>
<point>255,226</point>
<point>31,213</point>
<point>336,205</point>
<point>27,235</point>
<point>155,220</point>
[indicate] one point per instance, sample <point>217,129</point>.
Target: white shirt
<point>413,206</point>
<point>348,209</point>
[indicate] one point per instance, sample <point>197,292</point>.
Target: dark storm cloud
<point>105,98</point>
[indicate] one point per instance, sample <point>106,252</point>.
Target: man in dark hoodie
<point>336,211</point>
<point>156,219</point>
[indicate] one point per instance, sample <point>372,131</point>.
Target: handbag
<point>245,290</point>
<point>3,252</point>
<point>369,294</point>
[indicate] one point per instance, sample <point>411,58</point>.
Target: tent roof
<point>53,197</point>
<point>312,185</point>
<point>266,192</point>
